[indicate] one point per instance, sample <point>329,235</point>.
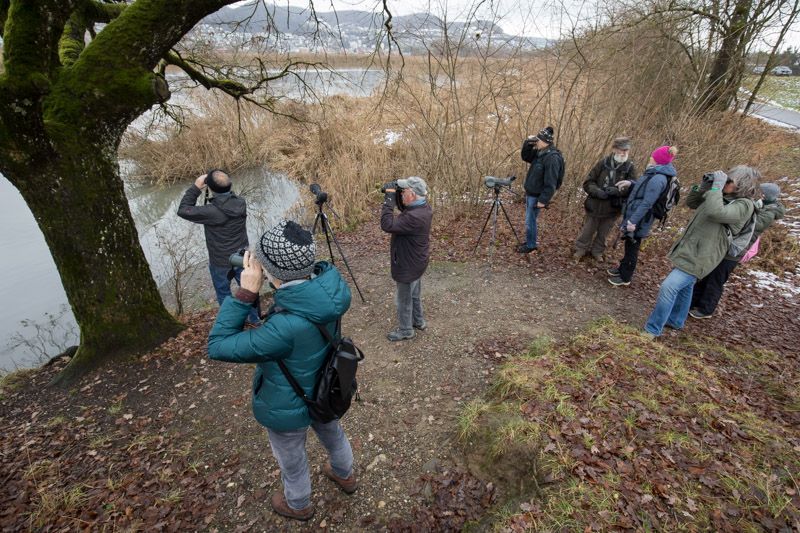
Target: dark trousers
<point>628,263</point>
<point>708,291</point>
<point>597,227</point>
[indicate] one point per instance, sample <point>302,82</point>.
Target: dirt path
<point>170,441</point>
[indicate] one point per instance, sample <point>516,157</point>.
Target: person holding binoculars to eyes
<point>223,216</point>
<point>723,209</point>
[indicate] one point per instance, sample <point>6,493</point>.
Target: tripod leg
<point>488,216</point>
<point>495,209</point>
<point>326,228</point>
<point>510,224</point>
<point>329,231</point>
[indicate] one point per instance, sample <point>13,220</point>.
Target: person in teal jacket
<point>306,293</point>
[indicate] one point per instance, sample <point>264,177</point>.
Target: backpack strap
<point>288,375</point>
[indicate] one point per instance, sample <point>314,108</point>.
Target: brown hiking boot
<point>280,506</point>
<point>348,485</point>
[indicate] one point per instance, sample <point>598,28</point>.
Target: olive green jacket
<point>705,242</point>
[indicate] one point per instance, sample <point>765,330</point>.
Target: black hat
<point>287,251</point>
<point>546,135</point>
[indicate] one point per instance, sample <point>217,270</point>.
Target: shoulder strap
<point>289,377</point>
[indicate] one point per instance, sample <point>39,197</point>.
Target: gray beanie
<point>621,143</point>
<point>770,191</point>
<point>287,251</point>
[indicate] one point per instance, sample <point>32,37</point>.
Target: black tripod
<point>322,220</point>
<point>497,206</point>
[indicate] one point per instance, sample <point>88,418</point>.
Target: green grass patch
<point>784,91</point>
<point>621,432</point>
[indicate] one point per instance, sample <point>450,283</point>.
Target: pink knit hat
<point>664,154</point>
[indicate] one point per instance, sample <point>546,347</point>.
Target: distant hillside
<point>353,28</point>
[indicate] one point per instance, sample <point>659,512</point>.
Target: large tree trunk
<point>728,66</point>
<point>75,193</point>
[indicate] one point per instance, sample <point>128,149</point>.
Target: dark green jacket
<point>604,199</point>
<point>705,242</point>
<point>765,216</point>
<point>289,335</point>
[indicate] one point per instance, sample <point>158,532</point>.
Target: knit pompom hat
<point>546,135</point>
<point>664,154</point>
<point>287,251</point>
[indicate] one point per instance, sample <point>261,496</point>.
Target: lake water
<point>34,307</point>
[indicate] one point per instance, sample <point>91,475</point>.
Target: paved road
<point>777,114</point>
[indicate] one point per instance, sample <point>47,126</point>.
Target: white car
<point>782,71</point>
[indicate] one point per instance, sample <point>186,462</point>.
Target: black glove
<point>601,194</point>
<point>612,192</point>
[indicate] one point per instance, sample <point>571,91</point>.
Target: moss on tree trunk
<point>89,229</point>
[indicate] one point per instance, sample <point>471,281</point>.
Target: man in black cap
<point>223,217</point>
<point>544,177</point>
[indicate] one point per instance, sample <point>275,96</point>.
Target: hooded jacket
<point>224,221</point>
<point>604,198</point>
<point>289,335</point>
<point>547,167</point>
<point>643,196</point>
<point>704,243</point>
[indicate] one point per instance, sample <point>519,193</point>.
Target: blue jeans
<point>222,286</point>
<point>673,302</point>
<point>531,214</point>
<point>289,448</point>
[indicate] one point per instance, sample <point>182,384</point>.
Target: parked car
<point>758,70</point>
<point>782,71</point>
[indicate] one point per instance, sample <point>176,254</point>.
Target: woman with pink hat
<point>637,218</point>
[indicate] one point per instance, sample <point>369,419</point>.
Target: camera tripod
<point>497,206</point>
<point>322,220</point>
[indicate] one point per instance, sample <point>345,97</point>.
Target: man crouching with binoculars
<point>410,249</point>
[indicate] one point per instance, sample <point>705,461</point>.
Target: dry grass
<point>457,119</point>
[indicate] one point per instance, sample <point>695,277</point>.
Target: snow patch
<point>787,287</point>
<point>389,137</point>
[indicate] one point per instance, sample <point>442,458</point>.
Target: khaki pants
<point>594,234</point>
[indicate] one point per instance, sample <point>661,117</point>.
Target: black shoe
<point>618,281</point>
<point>422,326</point>
<point>696,313</point>
<point>613,272</point>
<point>523,249</point>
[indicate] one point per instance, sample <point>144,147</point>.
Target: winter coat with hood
<point>704,243</point>
<point>766,214</point>
<point>547,167</point>
<point>604,198</point>
<point>289,335</point>
<point>643,196</point>
<point>410,247</point>
<point>224,221</point>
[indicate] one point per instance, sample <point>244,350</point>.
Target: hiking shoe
<point>398,335</point>
<point>618,281</point>
<point>421,326</point>
<point>280,506</point>
<point>348,485</point>
<point>598,257</point>
<point>696,313</point>
<point>577,256</point>
<point>523,249</point>
<point>613,272</point>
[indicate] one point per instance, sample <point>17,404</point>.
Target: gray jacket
<point>223,219</point>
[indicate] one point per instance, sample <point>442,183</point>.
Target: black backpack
<point>557,152</point>
<point>336,381</point>
<point>668,198</point>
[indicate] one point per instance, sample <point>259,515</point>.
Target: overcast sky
<point>533,18</point>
